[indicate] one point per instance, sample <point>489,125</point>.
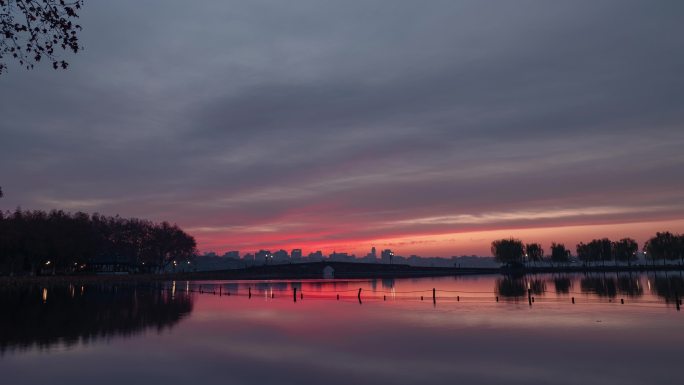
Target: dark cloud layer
<point>263,122</point>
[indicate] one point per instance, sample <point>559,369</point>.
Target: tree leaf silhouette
<point>30,30</point>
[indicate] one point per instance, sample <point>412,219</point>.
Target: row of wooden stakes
<point>530,297</point>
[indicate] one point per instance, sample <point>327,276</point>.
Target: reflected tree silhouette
<point>629,286</point>
<point>562,285</point>
<point>511,287</point>
<point>537,286</point>
<point>601,286</point>
<point>668,287</point>
<point>43,316</point>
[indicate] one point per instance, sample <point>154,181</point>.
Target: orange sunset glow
<point>335,141</point>
<point>444,244</point>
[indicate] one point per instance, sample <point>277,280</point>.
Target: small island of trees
<point>664,246</point>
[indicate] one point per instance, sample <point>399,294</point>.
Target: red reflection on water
<point>573,291</point>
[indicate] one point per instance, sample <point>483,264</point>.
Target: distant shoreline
<point>340,270</point>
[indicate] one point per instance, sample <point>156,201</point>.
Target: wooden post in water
<point>434,298</point>
<point>359,295</point>
<point>301,295</point>
<point>497,298</point>
<point>294,294</point>
<point>220,291</point>
<point>622,301</point>
<point>573,300</point>
<point>249,292</point>
<point>384,298</point>
<point>677,302</point>
<point>529,296</point>
<point>338,297</point>
<point>458,298</point>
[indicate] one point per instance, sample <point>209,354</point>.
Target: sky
<point>431,128</point>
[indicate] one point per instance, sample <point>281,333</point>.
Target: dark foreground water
<point>172,334</point>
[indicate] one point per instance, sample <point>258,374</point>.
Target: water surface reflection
<point>299,332</point>
<point>43,316</point>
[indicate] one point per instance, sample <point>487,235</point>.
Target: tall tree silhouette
<point>508,251</point>
<point>600,250</point>
<point>625,250</point>
<point>663,246</point>
<point>33,30</point>
<point>584,253</point>
<point>559,254</point>
<point>534,252</point>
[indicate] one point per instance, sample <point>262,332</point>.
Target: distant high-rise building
<point>281,255</point>
<point>316,256</point>
<point>342,257</point>
<point>262,256</point>
<point>371,257</point>
<point>234,254</point>
<point>296,254</point>
<point>387,255</point>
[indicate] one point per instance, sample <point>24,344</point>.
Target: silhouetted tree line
<point>68,314</point>
<point>663,246</point>
<point>57,242</point>
<point>513,253</point>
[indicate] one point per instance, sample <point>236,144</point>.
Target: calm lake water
<point>171,333</point>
